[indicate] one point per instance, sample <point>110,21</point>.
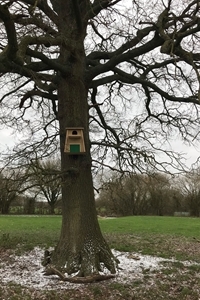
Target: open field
<point>167,237</point>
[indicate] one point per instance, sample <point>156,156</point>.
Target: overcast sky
<point>191,152</point>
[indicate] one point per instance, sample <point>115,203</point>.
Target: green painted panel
<point>74,148</point>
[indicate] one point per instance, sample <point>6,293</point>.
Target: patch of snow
<point>27,270</point>
<point>135,264</point>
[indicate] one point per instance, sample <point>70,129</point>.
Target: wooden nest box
<point>74,143</point>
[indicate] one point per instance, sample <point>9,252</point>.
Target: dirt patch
<point>139,276</point>
<point>27,270</point>
<point>135,271</point>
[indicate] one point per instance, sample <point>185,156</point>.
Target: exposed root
<point>51,270</point>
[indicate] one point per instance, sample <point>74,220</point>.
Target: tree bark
<point>81,246</point>
<point>52,209</point>
<point>5,207</point>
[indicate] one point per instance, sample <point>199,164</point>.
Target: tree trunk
<point>81,246</point>
<point>5,207</point>
<point>29,207</point>
<point>51,208</point>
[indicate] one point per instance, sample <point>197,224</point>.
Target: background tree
<point>124,196</point>
<point>139,194</point>
<point>190,184</point>
<point>158,186</point>
<point>29,205</point>
<point>99,55</point>
<point>9,186</point>
<point>45,179</point>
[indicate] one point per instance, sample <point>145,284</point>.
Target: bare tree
<point>159,186</point>
<point>99,55</point>
<point>190,185</point>
<point>139,194</point>
<point>46,181</point>
<point>8,190</point>
<point>125,196</point>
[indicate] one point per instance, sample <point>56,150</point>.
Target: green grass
<point>26,223</point>
<point>176,226</point>
<point>29,231</point>
<point>187,227</point>
<point>160,236</point>
<point>145,234</point>
<point>44,230</point>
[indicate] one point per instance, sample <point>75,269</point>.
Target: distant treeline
<point>150,194</point>
<point>31,206</point>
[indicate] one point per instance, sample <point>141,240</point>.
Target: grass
<point>161,236</point>
<point>25,223</point>
<point>176,226</point>
<point>29,231</point>
<point>137,233</point>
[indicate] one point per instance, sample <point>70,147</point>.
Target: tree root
<point>51,270</point>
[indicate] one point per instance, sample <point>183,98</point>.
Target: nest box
<point>74,143</point>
